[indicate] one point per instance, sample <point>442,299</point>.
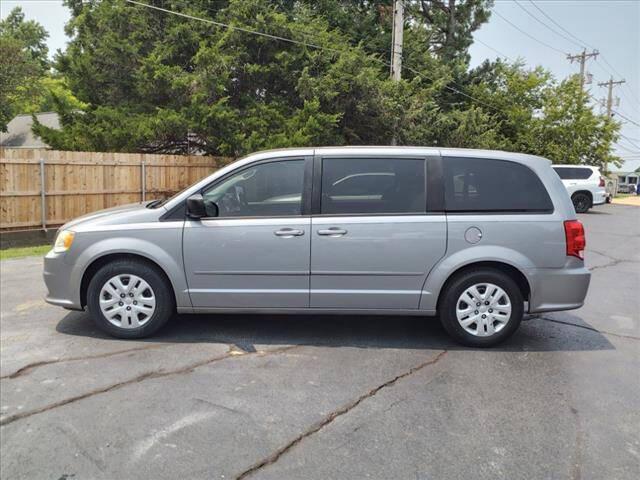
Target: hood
<point>119,214</point>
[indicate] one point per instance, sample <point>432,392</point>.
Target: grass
<point>20,252</point>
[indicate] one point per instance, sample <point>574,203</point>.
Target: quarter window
<point>487,185</point>
<point>373,186</point>
<point>573,173</point>
<point>265,190</point>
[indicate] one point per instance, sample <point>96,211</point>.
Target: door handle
<point>333,232</point>
<point>288,233</point>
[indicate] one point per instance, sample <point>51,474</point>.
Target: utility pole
<point>396,40</point>
<point>609,84</point>
<point>396,51</point>
<point>582,58</point>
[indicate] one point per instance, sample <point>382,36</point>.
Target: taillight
<point>601,184</point>
<point>576,241</point>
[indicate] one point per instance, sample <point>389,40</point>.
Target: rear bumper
<point>555,289</point>
<point>57,278</point>
<point>599,197</point>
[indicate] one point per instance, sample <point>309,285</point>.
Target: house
<point>626,179</point>
<point>19,134</point>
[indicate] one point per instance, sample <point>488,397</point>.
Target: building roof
<point>20,135</point>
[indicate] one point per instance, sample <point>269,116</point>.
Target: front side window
<point>487,185</point>
<point>373,186</point>
<point>266,190</point>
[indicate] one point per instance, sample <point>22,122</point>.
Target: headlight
<point>63,241</point>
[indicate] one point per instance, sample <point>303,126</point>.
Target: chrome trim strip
<point>248,290</point>
<point>368,273</point>
<point>367,292</point>
<point>249,272</point>
<point>303,290</point>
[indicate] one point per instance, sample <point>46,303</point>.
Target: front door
<point>255,252</point>
<point>373,242</point>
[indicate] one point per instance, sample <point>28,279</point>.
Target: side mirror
<point>195,206</point>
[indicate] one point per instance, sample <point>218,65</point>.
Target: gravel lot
<point>277,397</point>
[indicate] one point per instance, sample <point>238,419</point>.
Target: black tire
<point>581,202</point>
<point>456,287</point>
<point>165,302</point>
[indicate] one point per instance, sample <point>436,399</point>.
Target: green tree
<point>450,24</point>
<point>150,81</point>
<point>567,130</point>
<point>26,83</point>
<point>17,70</point>
<point>31,34</point>
<point>538,115</point>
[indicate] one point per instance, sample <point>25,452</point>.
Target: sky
<point>610,26</point>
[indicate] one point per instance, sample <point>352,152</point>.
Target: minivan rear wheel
<point>129,299</point>
<point>581,202</point>
<point>481,308</point>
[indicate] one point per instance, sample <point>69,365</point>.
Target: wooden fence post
<point>143,180</point>
<point>43,196</point>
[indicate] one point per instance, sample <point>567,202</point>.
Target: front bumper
<point>57,278</point>
<point>554,289</point>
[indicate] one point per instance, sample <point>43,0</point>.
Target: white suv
<point>585,185</point>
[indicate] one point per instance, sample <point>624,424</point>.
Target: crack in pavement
<point>32,366</point>
<point>576,467</point>
<point>275,456</point>
<point>614,261</point>
<point>145,376</point>
<point>587,327</point>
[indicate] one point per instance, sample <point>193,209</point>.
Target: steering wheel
<point>240,195</point>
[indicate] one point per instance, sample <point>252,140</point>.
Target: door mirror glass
<point>196,207</point>
<point>211,208</point>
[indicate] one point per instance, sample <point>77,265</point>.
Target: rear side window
<point>373,186</point>
<point>487,185</point>
<point>570,173</point>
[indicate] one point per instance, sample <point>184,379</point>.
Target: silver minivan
<point>475,237</point>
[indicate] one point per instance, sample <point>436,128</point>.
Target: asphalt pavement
<point>318,397</point>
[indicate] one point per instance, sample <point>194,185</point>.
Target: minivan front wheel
<point>481,308</point>
<point>129,299</point>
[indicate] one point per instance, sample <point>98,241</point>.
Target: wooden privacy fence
<point>45,188</point>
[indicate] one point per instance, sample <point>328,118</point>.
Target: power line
<point>233,27</point>
<point>545,25</point>
<point>635,152</point>
<point>615,111</point>
<point>630,142</point>
<point>306,44</point>
<point>625,117</point>
<point>495,50</point>
<point>526,33</point>
<point>580,42</point>
<point>613,69</point>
